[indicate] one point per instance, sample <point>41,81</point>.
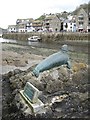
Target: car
<point>34,39</point>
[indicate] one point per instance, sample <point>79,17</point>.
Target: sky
<point>11,10</point>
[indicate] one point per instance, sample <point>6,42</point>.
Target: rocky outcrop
<point>55,82</point>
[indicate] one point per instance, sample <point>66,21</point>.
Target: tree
<point>42,17</point>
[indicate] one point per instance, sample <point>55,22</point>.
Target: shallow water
<point>80,46</point>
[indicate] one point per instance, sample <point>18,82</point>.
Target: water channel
<point>74,46</point>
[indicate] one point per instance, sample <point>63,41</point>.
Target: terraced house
<point>82,20</point>
<point>1,32</point>
<point>12,28</point>
<point>37,25</point>
<point>24,25</point>
<point>88,27</point>
<point>78,20</point>
<point>52,23</point>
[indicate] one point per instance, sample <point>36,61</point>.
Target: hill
<point>64,14</point>
<point>85,6</point>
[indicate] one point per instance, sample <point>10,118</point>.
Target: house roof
<point>83,11</point>
<point>21,25</point>
<point>24,21</point>
<point>11,26</point>
<point>36,25</point>
<point>37,21</point>
<point>50,17</point>
<point>66,21</point>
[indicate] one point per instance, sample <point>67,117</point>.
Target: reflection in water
<point>7,41</point>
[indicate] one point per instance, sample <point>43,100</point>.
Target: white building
<point>24,25</point>
<point>69,24</point>
<point>12,28</point>
<point>21,28</point>
<point>29,27</point>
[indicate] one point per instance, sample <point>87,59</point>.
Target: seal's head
<point>64,48</point>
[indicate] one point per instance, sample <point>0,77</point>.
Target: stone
<point>55,74</point>
<point>78,66</point>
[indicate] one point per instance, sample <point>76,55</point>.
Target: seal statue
<point>54,60</point>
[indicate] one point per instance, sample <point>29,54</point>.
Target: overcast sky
<point>11,10</point>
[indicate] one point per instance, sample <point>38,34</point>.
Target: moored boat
<point>34,39</point>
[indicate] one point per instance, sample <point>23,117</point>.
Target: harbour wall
<point>49,37</point>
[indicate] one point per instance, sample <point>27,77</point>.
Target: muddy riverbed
<point>18,62</point>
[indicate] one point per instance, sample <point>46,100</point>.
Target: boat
<point>34,39</point>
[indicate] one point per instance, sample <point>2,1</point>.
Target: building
<point>37,25</point>
<point>1,32</point>
<point>82,20</point>
<point>12,28</point>
<point>55,23</point>
<point>52,23</point>
<point>71,23</point>
<point>24,25</point>
<point>21,28</point>
<point>88,27</point>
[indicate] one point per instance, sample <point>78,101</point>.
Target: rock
<point>11,79</point>
<point>49,113</point>
<point>63,71</point>
<point>10,74</point>
<point>29,75</point>
<point>78,66</point>
<point>20,63</point>
<point>53,86</point>
<point>81,77</point>
<point>83,96</point>
<point>4,62</point>
<point>55,74</point>
<point>52,83</point>
<point>17,71</point>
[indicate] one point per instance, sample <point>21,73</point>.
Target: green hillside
<point>85,6</point>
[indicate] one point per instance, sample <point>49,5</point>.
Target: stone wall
<point>49,37</point>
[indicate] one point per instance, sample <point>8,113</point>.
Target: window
<point>81,17</point>
<point>61,26</point>
<point>47,23</point>
<point>80,23</point>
